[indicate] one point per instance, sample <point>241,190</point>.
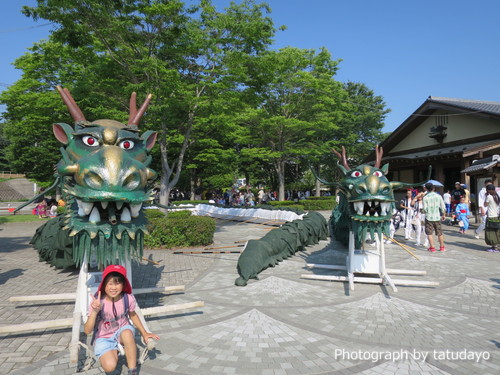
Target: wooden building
<point>459,138</point>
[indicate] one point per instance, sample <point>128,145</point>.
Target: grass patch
<point>20,219</point>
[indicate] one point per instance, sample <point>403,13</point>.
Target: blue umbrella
<point>435,183</point>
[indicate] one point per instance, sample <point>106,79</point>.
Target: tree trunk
<point>318,188</point>
<point>192,183</point>
<point>279,166</point>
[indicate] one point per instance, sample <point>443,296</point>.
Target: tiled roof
<point>481,164</point>
<point>472,105</point>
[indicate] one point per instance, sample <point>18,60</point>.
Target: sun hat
<point>127,288</point>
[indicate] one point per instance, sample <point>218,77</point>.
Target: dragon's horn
<point>378,156</point>
<point>73,108</point>
<point>135,115</point>
<point>343,158</point>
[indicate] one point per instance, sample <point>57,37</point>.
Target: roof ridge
<point>441,98</point>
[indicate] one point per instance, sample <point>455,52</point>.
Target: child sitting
<point>109,318</point>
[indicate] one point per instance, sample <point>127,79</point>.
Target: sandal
<point>431,249</point>
<point>442,248</point>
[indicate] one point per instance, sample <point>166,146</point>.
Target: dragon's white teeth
<point>376,214</point>
<point>125,216</point>
<point>80,212</point>
<point>358,207</point>
<point>94,216</point>
<point>384,208</point>
<point>86,207</point>
<point>134,209</point>
<point>119,205</point>
<point>104,204</point>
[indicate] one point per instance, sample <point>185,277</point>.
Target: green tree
<point>294,90</point>
<point>187,57</point>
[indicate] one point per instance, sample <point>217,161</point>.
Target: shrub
<point>322,198</point>
<point>153,214</point>
<point>318,204</point>
<point>179,214</point>
<point>281,203</point>
<point>187,231</point>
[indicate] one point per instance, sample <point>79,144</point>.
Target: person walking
<point>482,210</point>
<point>408,214</point>
<point>419,219</point>
<point>447,201</point>
<point>434,210</point>
<point>492,234</point>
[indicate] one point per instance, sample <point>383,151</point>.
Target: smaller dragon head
<point>369,193</point>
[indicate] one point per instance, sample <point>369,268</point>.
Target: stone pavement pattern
<point>281,324</point>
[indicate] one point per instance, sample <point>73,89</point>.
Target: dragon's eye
<point>127,144</point>
<point>90,141</point>
<point>378,173</point>
<point>356,174</point>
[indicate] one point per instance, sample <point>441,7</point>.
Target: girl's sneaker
<point>442,248</point>
<point>431,249</point>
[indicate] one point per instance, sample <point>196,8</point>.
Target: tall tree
<point>187,57</point>
<point>292,88</point>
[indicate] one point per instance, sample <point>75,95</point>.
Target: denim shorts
<point>103,345</point>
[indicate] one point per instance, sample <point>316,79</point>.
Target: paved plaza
<point>280,324</point>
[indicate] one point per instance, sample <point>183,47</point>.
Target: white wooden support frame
<point>368,262</point>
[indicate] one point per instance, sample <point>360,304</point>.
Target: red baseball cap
<point>127,288</point>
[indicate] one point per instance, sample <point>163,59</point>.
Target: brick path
<point>281,324</point>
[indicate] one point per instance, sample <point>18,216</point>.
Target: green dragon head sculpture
<point>105,178</point>
<point>366,199</point>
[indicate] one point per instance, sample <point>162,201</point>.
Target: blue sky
<point>404,50</point>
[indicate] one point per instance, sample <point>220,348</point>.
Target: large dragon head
<point>106,176</point>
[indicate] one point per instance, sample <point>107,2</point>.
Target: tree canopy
<point>225,103</point>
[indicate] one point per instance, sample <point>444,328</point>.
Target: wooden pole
<point>222,247</point>
<point>403,247</point>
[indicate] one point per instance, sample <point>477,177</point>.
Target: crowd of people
<point>242,197</point>
<point>421,214</point>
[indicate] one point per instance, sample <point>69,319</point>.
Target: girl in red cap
<point>110,315</point>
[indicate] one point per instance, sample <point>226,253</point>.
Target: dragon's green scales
<point>104,178</point>
<point>366,200</point>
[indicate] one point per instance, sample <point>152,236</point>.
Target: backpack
<point>100,318</point>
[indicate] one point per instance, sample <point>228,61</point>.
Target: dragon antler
<point>73,108</point>
<point>343,158</point>
<point>135,115</point>
<point>378,156</point>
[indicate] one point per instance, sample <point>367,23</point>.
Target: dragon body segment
<point>105,178</point>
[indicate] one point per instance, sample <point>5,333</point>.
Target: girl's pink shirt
<point>106,330</point>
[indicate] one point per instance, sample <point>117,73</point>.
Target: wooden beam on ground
<point>166,309</point>
<point>209,252</point>
<point>36,326</point>
<point>72,296</point>
<point>67,323</point>
<point>326,266</point>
